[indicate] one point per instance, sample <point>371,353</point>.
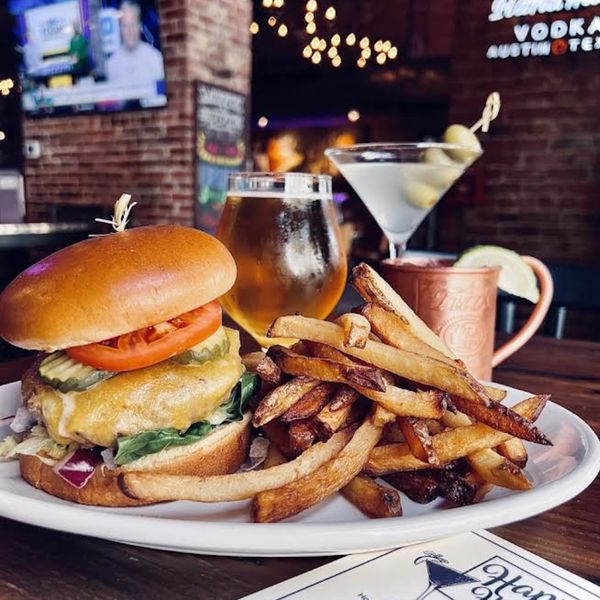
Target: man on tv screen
<point>81,56</point>
<point>136,61</point>
<point>79,51</point>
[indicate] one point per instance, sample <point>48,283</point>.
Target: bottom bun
<point>223,451</point>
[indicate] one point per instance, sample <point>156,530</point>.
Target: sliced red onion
<point>108,456</point>
<point>23,420</point>
<point>77,467</point>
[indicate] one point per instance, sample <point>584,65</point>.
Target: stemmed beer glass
<point>283,233</point>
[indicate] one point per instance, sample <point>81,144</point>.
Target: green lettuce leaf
<point>133,447</point>
<point>240,395</point>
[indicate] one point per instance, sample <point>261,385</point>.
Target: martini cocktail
<point>401,183</point>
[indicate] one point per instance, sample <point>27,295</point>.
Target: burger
<point>135,371</point>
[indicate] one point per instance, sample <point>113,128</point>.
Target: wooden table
<point>38,563</point>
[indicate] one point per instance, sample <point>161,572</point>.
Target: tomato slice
<point>151,345</point>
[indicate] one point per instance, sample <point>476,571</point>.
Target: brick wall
<point>542,157</point>
<point>91,160</point>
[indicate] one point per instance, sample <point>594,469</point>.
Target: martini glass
<point>401,182</point>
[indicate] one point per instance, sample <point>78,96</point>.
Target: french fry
<point>238,486</point>
<point>301,435</point>
<point>372,498</point>
<point>251,359</point>
<point>325,351</point>
<point>381,416</point>
<point>373,288</point>
<point>449,445</point>
<point>457,488</point>
<point>277,434</point>
<point>274,457</point>
<point>428,404</point>
<point>357,413</point>
<point>490,392</point>
<point>425,405</point>
<point>299,348</point>
<point>392,434</point>
<point>513,446</point>
<point>356,330</point>
<point>391,458</point>
<point>434,426</point>
<point>514,450</point>
<point>425,486</point>
<point>502,418</point>
<point>394,330</point>
<point>416,435</point>
<point>268,371</point>
<point>302,493</point>
<point>455,419</point>
<point>495,393</point>
<point>488,464</point>
<point>328,421</point>
<point>344,396</point>
<point>310,404</point>
<point>420,486</point>
<point>279,400</point>
<point>409,365</point>
<point>482,487</point>
<point>326,369</point>
<point>498,470</point>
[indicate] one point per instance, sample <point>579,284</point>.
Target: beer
<point>289,255</point>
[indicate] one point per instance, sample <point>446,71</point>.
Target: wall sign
<point>547,37</point>
<point>221,142</point>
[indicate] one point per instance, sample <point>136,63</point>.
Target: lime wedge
<point>516,276</point>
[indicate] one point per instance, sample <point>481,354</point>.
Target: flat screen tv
<point>80,56</point>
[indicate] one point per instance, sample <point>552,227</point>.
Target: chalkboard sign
<point>221,134</point>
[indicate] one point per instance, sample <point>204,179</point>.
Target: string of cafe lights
<point>6,86</point>
<point>333,46</point>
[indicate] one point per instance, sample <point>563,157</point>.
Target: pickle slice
<point>213,347</point>
<point>63,373</point>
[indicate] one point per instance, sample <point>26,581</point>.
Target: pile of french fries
<point>370,405</point>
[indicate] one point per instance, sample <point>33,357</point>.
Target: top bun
<point>107,286</point>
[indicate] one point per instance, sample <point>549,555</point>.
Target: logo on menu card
<point>493,579</point>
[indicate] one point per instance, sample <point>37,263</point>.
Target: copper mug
<point>459,304</point>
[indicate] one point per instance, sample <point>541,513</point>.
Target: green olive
<point>419,194</point>
<point>444,171</point>
<point>436,156</point>
<point>459,135</point>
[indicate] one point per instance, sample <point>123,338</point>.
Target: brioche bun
<point>106,286</point>
<point>222,452</point>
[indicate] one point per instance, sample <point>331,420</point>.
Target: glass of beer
<point>283,233</point>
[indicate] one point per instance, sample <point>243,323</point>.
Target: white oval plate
<point>559,473</point>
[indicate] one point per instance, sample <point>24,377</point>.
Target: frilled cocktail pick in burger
<point>135,372</point>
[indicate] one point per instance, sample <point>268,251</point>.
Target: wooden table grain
<point>39,563</point>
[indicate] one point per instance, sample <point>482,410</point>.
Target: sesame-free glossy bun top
<point>107,286</point>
